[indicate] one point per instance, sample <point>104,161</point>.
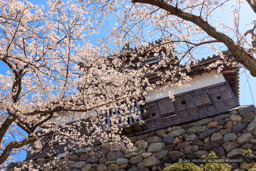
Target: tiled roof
<point>230,73</point>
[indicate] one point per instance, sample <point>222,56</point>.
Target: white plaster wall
<point>199,81</point>
<point>70,117</point>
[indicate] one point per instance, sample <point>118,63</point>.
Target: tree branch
<point>252,3</point>
<point>239,54</point>
<point>5,154</point>
<point>4,127</point>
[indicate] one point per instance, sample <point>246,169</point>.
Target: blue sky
<point>247,83</point>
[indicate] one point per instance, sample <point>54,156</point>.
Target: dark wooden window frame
<point>155,122</point>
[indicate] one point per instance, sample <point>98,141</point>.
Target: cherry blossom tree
<point>87,57</point>
<point>194,26</point>
<point>55,71</point>
<point>200,15</point>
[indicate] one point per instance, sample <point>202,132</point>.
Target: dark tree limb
<point>4,127</point>
<point>252,3</point>
<point>238,52</point>
<point>6,152</point>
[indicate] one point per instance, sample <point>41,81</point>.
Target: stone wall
<point>228,135</point>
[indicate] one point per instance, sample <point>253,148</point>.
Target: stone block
<point>202,122</point>
<point>135,160</point>
<point>113,155</point>
<point>196,129</point>
<point>221,117</point>
<point>235,153</point>
<point>207,133</point>
<point>121,161</point>
<point>168,140</point>
<point>191,137</point>
<point>199,154</point>
<point>236,118</point>
<point>246,109</point>
<point>151,161</point>
<point>176,133</point>
<point>213,125</point>
<point>229,137</point>
<point>216,136</point>
<point>161,154</point>
<point>244,138</point>
<point>78,165</point>
<point>251,125</point>
<point>176,154</point>
<point>155,147</point>
<point>154,139</point>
